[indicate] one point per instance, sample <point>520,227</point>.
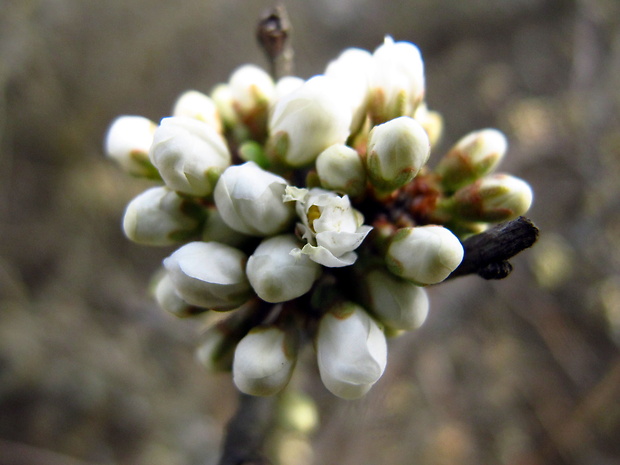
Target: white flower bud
<point>159,216</point>
<point>264,361</point>
<point>222,97</point>
<point>396,80</point>
<point>398,304</point>
<point>431,121</point>
<point>287,85</point>
<point>307,121</point>
<point>424,254</point>
<point>332,228</point>
<point>494,198</point>
<point>278,276</point>
<point>340,168</point>
<point>397,150</point>
<point>350,71</point>
<point>210,275</point>
<point>189,155</point>
<point>169,300</point>
<point>128,141</point>
<point>249,199</point>
<point>194,104</point>
<point>351,351</point>
<point>216,230</point>
<point>250,87</point>
<point>472,157</point>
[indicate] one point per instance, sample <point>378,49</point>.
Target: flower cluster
<point>308,208</point>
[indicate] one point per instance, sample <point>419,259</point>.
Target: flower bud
<point>499,197</point>
<point>350,71</point>
<point>264,361</point>
<point>159,216</point>
<point>210,275</point>
<point>341,169</point>
<point>424,254</point>
<point>332,228</point>
<point>189,155</point>
<point>216,230</point>
<point>278,276</point>
<point>169,300</point>
<point>351,351</point>
<point>249,199</point>
<point>286,85</point>
<point>306,122</point>
<point>194,104</point>
<point>128,141</point>
<point>396,81</point>
<point>398,304</point>
<point>222,97</point>
<point>431,121</point>
<point>397,150</point>
<point>472,157</point>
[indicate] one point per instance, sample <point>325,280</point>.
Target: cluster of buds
<point>306,209</point>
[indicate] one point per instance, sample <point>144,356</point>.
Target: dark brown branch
<point>247,431</point>
<point>273,34</point>
<point>487,254</point>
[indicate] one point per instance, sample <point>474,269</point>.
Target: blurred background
<point>524,371</point>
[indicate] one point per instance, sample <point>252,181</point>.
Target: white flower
<point>210,275</point>
<point>399,304</point>
<point>340,168</point>
<point>424,254</point>
<point>474,156</point>
<point>350,71</point>
<point>189,155</point>
<point>249,200</point>
<point>264,361</point>
<point>128,141</point>
<point>278,276</point>
<point>351,351</point>
<point>396,152</point>
<point>307,121</point>
<point>197,105</point>
<point>396,80</point>
<point>287,85</point>
<point>159,216</point>
<point>332,228</point>
<point>498,197</point>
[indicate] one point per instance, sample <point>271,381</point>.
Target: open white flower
<point>189,155</point>
<point>306,121</point>
<point>210,275</point>
<point>424,254</point>
<point>351,351</point>
<point>264,361</point>
<point>332,228</point>
<point>249,200</point>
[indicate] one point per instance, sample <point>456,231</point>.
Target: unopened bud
<point>160,217</point>
<point>424,254</point>
<point>306,122</point>
<point>341,169</point>
<point>197,105</point>
<point>249,199</point>
<point>264,361</point>
<point>397,150</point>
<point>210,275</point>
<point>189,155</point>
<point>494,198</point>
<point>169,300</point>
<point>397,303</point>
<point>471,158</point>
<point>351,351</point>
<point>128,141</point>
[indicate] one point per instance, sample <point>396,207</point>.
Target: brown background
<point>521,372</point>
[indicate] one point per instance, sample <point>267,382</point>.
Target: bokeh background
<point>524,371</point>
